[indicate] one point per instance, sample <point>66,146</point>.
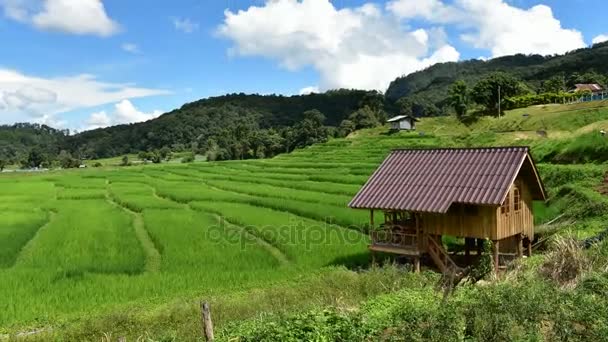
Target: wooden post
<point>480,246</point>
<point>417,264</point>
<point>206,321</point>
<point>529,247</point>
<point>467,246</point>
<point>371,218</point>
<point>495,250</point>
<point>520,247</point>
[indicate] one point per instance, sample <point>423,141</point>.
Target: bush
<point>566,262</point>
<point>97,164</point>
<point>188,158</point>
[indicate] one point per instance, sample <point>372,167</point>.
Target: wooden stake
<point>520,247</point>
<point>495,250</point>
<point>529,245</point>
<point>206,321</point>
<point>417,264</point>
<point>371,218</point>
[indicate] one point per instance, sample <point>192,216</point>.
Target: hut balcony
<point>396,236</point>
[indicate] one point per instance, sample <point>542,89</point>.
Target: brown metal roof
<point>430,180</point>
<point>593,87</point>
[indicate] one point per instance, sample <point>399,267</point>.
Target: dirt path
<point>273,250</point>
<point>28,245</point>
<point>153,256</point>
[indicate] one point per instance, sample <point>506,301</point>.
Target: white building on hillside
<point>402,122</point>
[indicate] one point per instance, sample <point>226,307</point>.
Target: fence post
<point>206,321</point>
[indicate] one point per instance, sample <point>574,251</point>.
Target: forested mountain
<point>17,140</point>
<point>432,83</point>
<point>233,126</point>
<point>239,126</point>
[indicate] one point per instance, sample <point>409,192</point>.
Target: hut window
<point>505,208</point>
<point>516,199</point>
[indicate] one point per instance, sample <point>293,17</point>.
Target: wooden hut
<point>402,123</point>
<point>471,193</point>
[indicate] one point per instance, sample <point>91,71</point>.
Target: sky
<point>84,64</point>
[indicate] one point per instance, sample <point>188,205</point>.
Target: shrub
<point>566,262</point>
<point>188,158</point>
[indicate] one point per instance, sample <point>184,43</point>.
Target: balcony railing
<point>394,238</point>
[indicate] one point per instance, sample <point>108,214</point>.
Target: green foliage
<point>555,85</point>
<point>35,158</point>
<point>458,98</point>
<point>189,158</point>
<point>364,118</point>
<point>66,160</point>
<point>125,161</point>
<point>493,87</point>
<point>433,82</point>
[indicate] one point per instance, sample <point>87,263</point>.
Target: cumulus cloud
<point>131,48</point>
<point>124,113</point>
<point>434,10</point>
<point>360,47</point>
<point>309,90</point>
<point>496,25</point>
<point>80,17</point>
<point>29,98</point>
<point>185,25</point>
<point>600,39</point>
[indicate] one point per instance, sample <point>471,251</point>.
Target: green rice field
<point>95,241</point>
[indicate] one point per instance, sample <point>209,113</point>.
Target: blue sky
<point>87,63</point>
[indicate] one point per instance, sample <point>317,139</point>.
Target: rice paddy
<point>98,240</point>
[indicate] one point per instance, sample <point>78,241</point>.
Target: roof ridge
<point>527,148</point>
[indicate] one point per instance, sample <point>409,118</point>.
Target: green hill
<point>432,83</point>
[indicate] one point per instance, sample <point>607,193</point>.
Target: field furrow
<point>153,257</point>
<point>17,229</point>
<point>86,236</point>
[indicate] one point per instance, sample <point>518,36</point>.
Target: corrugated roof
<point>431,180</point>
<point>401,117</point>
<point>592,87</point>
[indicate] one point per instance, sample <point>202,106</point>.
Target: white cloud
<point>309,90</point>
<point>496,25</point>
<point>185,25</point>
<point>352,47</point>
<point>80,17</point>
<point>600,39</point>
<point>29,98</point>
<point>131,48</point>
<point>98,120</point>
<point>124,113</point>
<point>433,10</point>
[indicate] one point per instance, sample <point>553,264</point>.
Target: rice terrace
<point>303,170</point>
<point>139,239</point>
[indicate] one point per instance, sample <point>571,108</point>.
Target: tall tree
<point>555,84</point>
<point>496,85</point>
<point>35,158</point>
<point>458,97</point>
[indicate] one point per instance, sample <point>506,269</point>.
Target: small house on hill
<point>471,193</point>
<point>593,88</point>
<point>402,122</point>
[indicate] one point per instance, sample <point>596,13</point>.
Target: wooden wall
<point>484,221</point>
<point>515,222</point>
<point>460,221</point>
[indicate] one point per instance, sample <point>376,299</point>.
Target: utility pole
<point>499,101</point>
